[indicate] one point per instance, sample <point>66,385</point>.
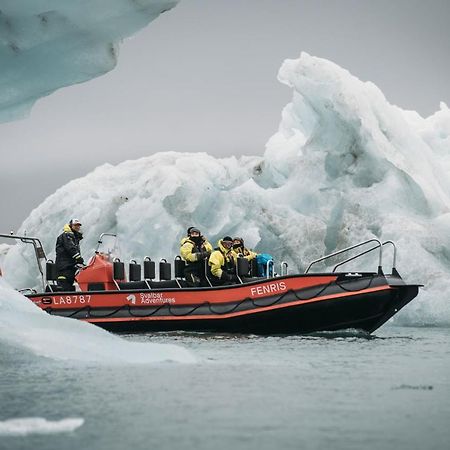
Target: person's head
<point>75,225</point>
<point>227,242</point>
<point>238,242</point>
<point>194,234</point>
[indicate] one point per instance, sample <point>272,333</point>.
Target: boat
<point>277,303</point>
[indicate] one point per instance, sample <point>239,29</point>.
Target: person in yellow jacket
<point>195,249</point>
<point>239,249</point>
<point>221,263</point>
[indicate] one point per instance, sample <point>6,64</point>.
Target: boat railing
<point>38,250</point>
<point>100,239</point>
<point>352,247</point>
<point>394,258</point>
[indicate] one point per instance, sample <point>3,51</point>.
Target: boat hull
<point>284,305</point>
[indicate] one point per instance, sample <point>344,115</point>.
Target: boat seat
<point>132,285</point>
<point>167,284</point>
<point>142,285</point>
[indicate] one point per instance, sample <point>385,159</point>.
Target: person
<point>239,249</point>
<point>195,249</point>
<point>68,255</point>
<point>221,263</point>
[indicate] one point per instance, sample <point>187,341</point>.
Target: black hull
<point>365,311</point>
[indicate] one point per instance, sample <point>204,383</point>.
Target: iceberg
<point>344,166</point>
<point>62,43</point>
<point>26,327</point>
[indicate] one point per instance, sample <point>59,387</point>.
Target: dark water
<point>337,391</point>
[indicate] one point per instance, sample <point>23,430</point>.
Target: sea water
<point>347,390</point>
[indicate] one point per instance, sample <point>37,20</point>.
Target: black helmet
<point>193,229</point>
<point>227,242</point>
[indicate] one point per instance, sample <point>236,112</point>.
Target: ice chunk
<point>36,425</point>
<point>45,45</point>
<point>25,326</point>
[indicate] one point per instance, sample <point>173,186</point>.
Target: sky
<point>203,78</point>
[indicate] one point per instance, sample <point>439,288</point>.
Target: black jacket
<point>68,249</point>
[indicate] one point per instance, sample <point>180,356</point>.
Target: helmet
<point>74,222</point>
<point>227,241</point>
<point>193,229</point>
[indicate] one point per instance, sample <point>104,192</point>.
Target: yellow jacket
<point>220,260</point>
<point>190,252</point>
<point>245,252</point>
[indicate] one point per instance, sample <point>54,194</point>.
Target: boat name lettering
<point>151,298</point>
<point>268,288</point>
<point>71,300</point>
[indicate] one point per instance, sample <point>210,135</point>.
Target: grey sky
<point>202,77</point>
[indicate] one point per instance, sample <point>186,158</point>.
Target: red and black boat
<point>284,304</point>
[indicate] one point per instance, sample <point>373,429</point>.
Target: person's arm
<point>216,262</point>
<point>251,255</point>
<point>68,241</point>
<point>186,252</point>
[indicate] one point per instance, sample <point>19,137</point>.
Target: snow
<point>62,43</point>
<point>344,166</point>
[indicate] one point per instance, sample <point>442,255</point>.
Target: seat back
<point>179,266</point>
<point>134,271</point>
<point>149,269</point>
<point>165,270</point>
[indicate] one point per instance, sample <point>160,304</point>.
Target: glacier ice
<point>344,166</point>
<point>25,326</point>
<point>62,43</point>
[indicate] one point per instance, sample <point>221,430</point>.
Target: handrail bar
<point>38,250</point>
<point>100,241</point>
<point>368,251</point>
<point>350,248</point>
<point>269,264</point>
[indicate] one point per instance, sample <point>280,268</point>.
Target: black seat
<point>132,285</point>
<point>167,284</point>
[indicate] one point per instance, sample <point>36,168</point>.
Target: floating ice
<point>45,45</point>
<point>345,166</point>
<point>24,325</point>
<point>36,425</point>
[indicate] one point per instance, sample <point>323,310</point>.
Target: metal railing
<point>368,251</point>
<point>38,250</point>
<point>339,252</point>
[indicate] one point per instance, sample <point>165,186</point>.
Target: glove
<point>202,255</point>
